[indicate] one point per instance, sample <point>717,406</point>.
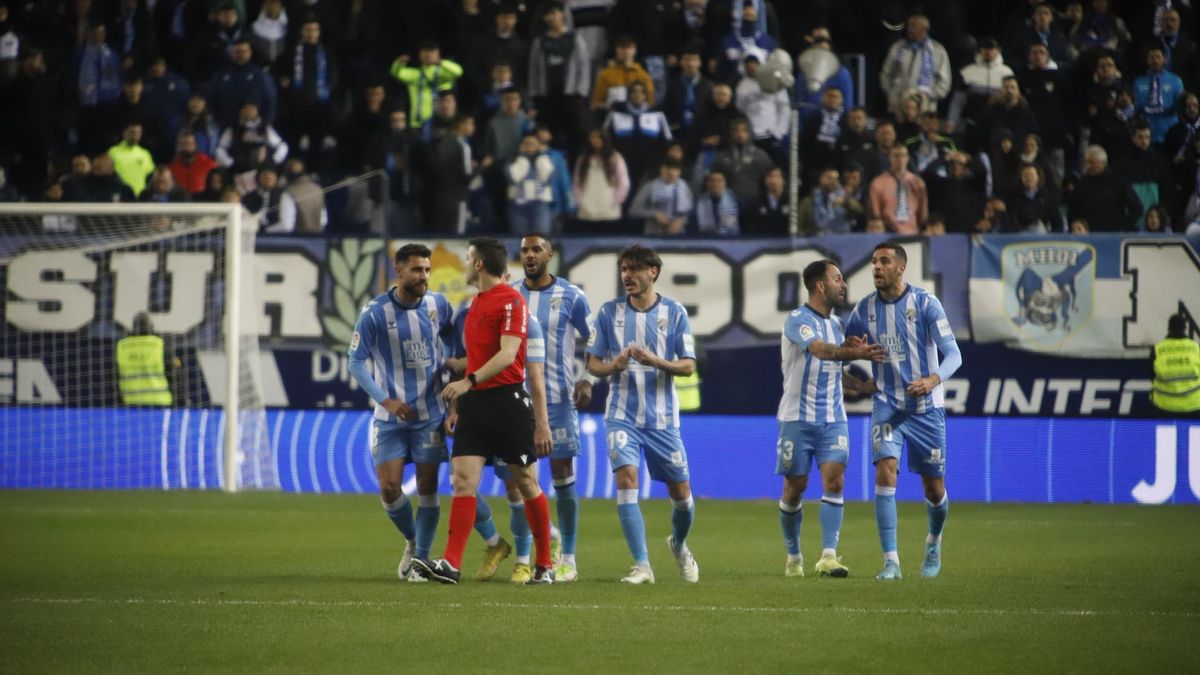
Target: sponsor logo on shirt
<point>416,354</point>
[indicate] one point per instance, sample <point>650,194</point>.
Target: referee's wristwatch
<point>471,379</point>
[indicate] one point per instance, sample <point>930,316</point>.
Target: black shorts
<point>496,423</point>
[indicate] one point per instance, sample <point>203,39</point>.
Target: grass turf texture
<point>146,581</point>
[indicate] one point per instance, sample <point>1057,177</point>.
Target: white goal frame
<point>232,214</point>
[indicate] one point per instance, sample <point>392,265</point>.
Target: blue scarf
<point>827,216</point>
<point>925,47</point>
<point>1154,105</point>
<point>902,210</point>
<point>99,76</point>
<point>689,102</point>
<point>322,69</point>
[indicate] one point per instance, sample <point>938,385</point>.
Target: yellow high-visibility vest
<point>143,376</point>
<point>688,391</point>
<point>1176,375</point>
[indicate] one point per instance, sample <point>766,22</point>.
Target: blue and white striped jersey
<point>643,395</point>
<point>912,329</point>
<point>563,311</point>
<point>812,387</point>
<point>405,346</point>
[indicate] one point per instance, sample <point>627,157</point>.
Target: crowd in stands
<point>662,117</point>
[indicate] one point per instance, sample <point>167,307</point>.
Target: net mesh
<point>114,353</point>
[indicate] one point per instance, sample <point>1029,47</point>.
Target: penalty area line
<point>299,602</point>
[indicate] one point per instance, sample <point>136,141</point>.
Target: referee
<point>495,415</point>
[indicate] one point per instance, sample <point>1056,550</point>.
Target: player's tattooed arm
<point>853,348</point>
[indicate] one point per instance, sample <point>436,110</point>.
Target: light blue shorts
<point>800,443</point>
<point>564,430</point>
<point>925,433</point>
<point>665,456</point>
<point>419,442</point>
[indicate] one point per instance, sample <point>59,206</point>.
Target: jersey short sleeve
<point>801,328</point>
<point>598,343</point>
<point>363,338</point>
<point>535,344</point>
<point>579,315</point>
<point>685,344</point>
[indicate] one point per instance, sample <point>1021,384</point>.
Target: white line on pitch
<point>232,602</point>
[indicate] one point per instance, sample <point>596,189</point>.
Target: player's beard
<point>417,289</point>
<point>538,270</point>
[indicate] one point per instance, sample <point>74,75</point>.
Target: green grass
<point>149,581</point>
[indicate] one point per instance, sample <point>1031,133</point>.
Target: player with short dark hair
<point>644,341</point>
<point>909,403</point>
<point>401,334</point>
<point>495,414</point>
<point>812,417</point>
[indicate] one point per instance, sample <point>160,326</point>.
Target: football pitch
<point>151,581</point>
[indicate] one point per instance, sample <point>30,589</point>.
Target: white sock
<point>493,540</point>
<point>569,559</point>
<point>795,558</point>
<point>893,556</point>
<point>522,560</point>
<point>554,533</point>
<point>828,553</point>
<point>930,539</point>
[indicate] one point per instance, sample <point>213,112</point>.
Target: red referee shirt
<point>496,312</point>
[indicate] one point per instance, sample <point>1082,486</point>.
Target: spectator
<point>451,169</point>
<point>907,119</point>
<point>166,95</point>
<point>1146,172</point>
<point>698,26</point>
<point>1040,31</point>
<point>1033,207</point>
<point>76,185</point>
<point>98,86</point>
<point>364,130</point>
<point>649,23</point>
<point>1031,153</point>
<point>770,115</point>
<point>563,204</point>
<point>808,94</point>
<point>995,218</point>
<point>742,164</point>
<point>856,143</point>
<point>1157,221</point>
<point>190,166</point>
<point>1179,137</point>
<point>431,74</point>
<point>771,216</point>
<point>61,222</point>
<point>1157,93</point>
<point>177,24</point>
<point>875,226</point>
<point>489,99</point>
<point>1079,226</point>
<point>748,38</point>
<point>880,160</point>
<point>269,32</point>
<point>1009,110</point>
<point>215,186</point>
<point>239,84</point>
<point>560,78</point>
<point>898,196</point>
<point>591,20</point>
<point>1183,57</point>
<point>163,189</point>
<point>25,130</point>
<point>530,192</point>
<point>917,63</point>
<point>1103,112</point>
<point>981,80</point>
<point>215,50</point>
<point>1102,198</point>
<point>132,34</point>
<point>960,193</point>
<point>825,210</point>
<point>264,200</point>
<point>200,122</point>
<point>856,195</point>
<point>502,45</point>
<point>302,205</point>
<point>131,108</point>
<point>133,163</point>
<point>612,83</point>
<point>665,203</point>
<point>935,226</point>
<point>601,182</point>
<point>687,92</point>
<point>105,185</point>
<point>1046,90</point>
<point>821,130</point>
<point>929,148</point>
<point>1004,163</point>
<point>639,133</point>
<point>713,125</point>
<point>1099,28</point>
<point>308,77</point>
<point>717,208</point>
<point>505,129</point>
<point>248,145</point>
<point>12,45</point>
<point>445,112</point>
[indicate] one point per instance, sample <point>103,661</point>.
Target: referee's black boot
<point>440,571</point>
<point>541,575</point>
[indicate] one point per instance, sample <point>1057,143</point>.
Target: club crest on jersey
<point>433,315</point>
<point>910,313</point>
<point>555,304</point>
<point>662,325</point>
<point>1048,288</point>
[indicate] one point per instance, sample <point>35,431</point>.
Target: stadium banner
<point>1039,460</point>
<point>1103,296</point>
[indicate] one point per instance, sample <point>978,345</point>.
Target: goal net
<point>126,357</point>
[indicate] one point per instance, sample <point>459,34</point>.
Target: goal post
<point>81,406</point>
